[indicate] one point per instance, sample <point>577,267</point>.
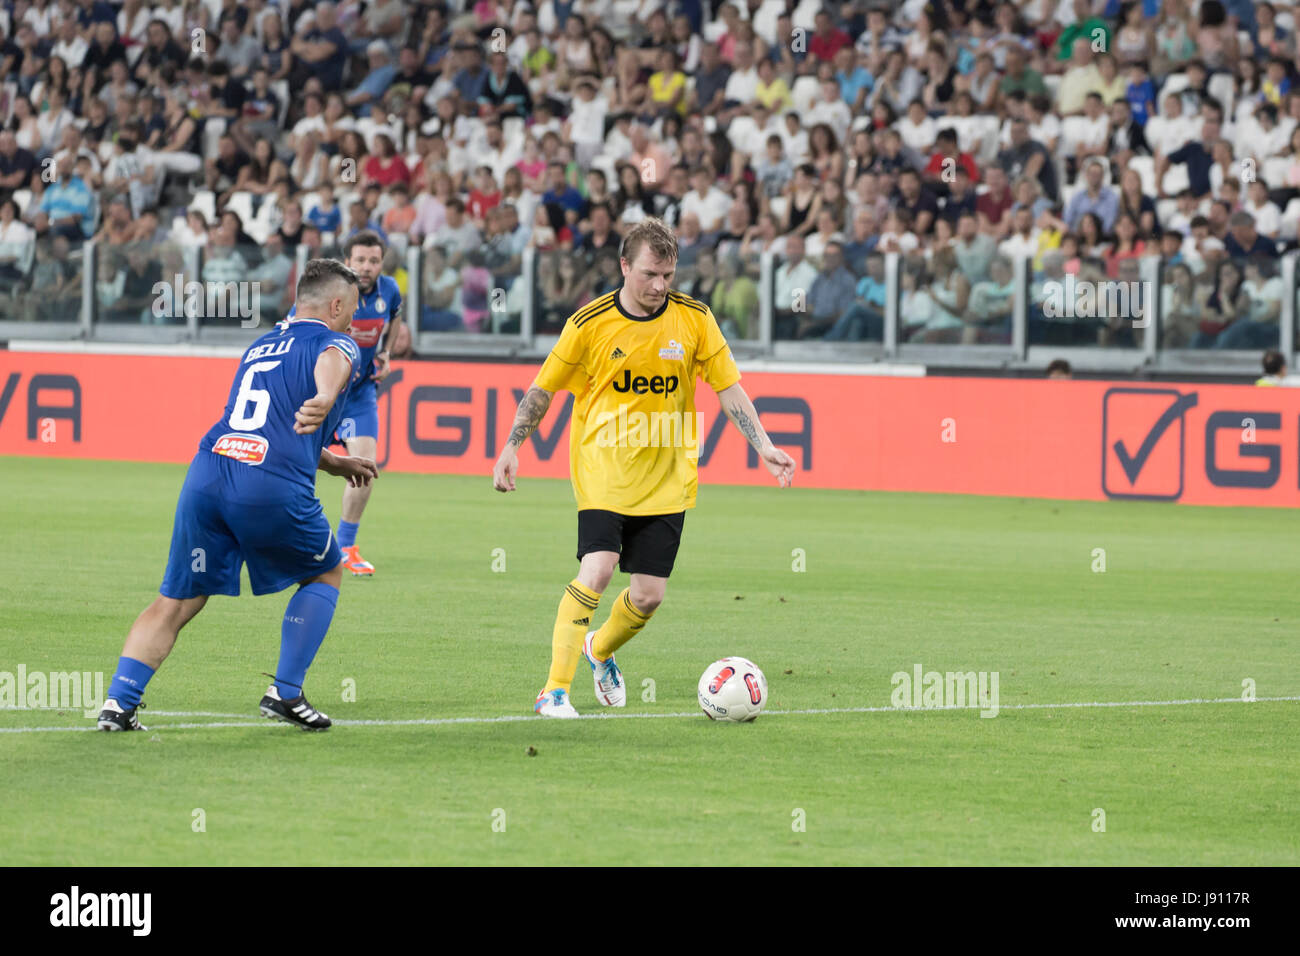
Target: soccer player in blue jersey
<point>250,498</point>
<point>374,328</point>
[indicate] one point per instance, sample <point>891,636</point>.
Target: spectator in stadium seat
<point>974,249</point>
<point>831,109</point>
<point>17,240</point>
<point>1126,138</point>
<point>917,200</point>
<point>1137,205</point>
<point>117,228</point>
<point>944,161</point>
<point>159,48</point>
<point>990,306</point>
<point>940,78</point>
<point>224,97</point>
<point>359,219</point>
<point>325,215</point>
<point>1019,76</point>
<point>459,235</point>
<point>1258,326</point>
<point>16,164</point>
<point>239,51</point>
<point>1022,239</point>
<point>559,192</point>
<point>993,205</point>
<point>399,216</point>
<point>763,236</point>
<point>950,291</point>
<point>1081,78</point>
<point>917,128</point>
<point>1094,198</point>
<point>1265,212</point>
<point>320,49</point>
<point>223,171</point>
<point>772,90</point>
<point>831,295</point>
<point>1092,137</point>
<point>602,236</point>
<point>827,39</point>
<point>863,240</point>
<point>1226,302</point>
<point>1243,241</point>
<point>1197,156</point>
<point>67,206</point>
<point>734,299</point>
<point>710,81</point>
<point>793,281</point>
<point>961,199</point>
<point>706,201</point>
<point>503,93</point>
<point>826,233</point>
<point>1128,245</point>
<point>866,317</point>
<point>379,76</point>
<point>51,123</point>
<point>803,202</point>
<point>385,165</point>
<point>647,156</point>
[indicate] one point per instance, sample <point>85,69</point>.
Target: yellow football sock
<point>624,621</point>
<point>572,621</point>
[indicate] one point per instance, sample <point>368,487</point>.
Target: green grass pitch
<point>1192,602</point>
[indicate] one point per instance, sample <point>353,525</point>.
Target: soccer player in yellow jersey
<point>630,358</point>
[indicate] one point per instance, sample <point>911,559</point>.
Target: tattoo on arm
<point>748,426</point>
<point>532,409</point>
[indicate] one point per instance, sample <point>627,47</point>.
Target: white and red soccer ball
<point>733,689</point>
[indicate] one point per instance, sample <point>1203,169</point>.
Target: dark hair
<point>319,274</point>
<point>1274,362</point>
<point>1058,365</point>
<point>366,238</point>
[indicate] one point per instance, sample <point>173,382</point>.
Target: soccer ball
<point>733,689</point>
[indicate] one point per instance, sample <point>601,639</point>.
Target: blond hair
<point>650,232</point>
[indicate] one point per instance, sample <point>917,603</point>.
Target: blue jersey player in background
<point>250,498</point>
<point>374,329</point>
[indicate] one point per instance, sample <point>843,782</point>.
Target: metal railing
<point>474,302</point>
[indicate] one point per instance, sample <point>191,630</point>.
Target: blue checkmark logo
<point>1132,462</point>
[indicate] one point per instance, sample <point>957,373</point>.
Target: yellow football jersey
<point>634,440</point>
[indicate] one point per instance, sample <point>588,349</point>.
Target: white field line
<point>248,720</point>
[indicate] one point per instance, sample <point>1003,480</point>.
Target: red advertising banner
<point>1197,444</point>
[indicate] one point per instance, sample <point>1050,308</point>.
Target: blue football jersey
<point>374,310</point>
<point>276,375</point>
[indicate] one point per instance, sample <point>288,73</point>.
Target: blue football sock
<point>129,681</point>
<point>348,533</point>
<point>306,620</point>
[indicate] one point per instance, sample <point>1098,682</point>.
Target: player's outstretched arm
<point>532,409</point>
<point>332,373</point>
<point>738,407</point>
<point>358,471</point>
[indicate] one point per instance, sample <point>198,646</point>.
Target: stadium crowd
<point>1081,135</point>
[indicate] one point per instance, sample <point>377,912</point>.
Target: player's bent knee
<point>596,569</point>
<point>646,598</point>
<point>333,577</point>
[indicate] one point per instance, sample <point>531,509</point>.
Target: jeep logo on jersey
<point>250,449</point>
<point>365,332</point>
<point>657,385</point>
